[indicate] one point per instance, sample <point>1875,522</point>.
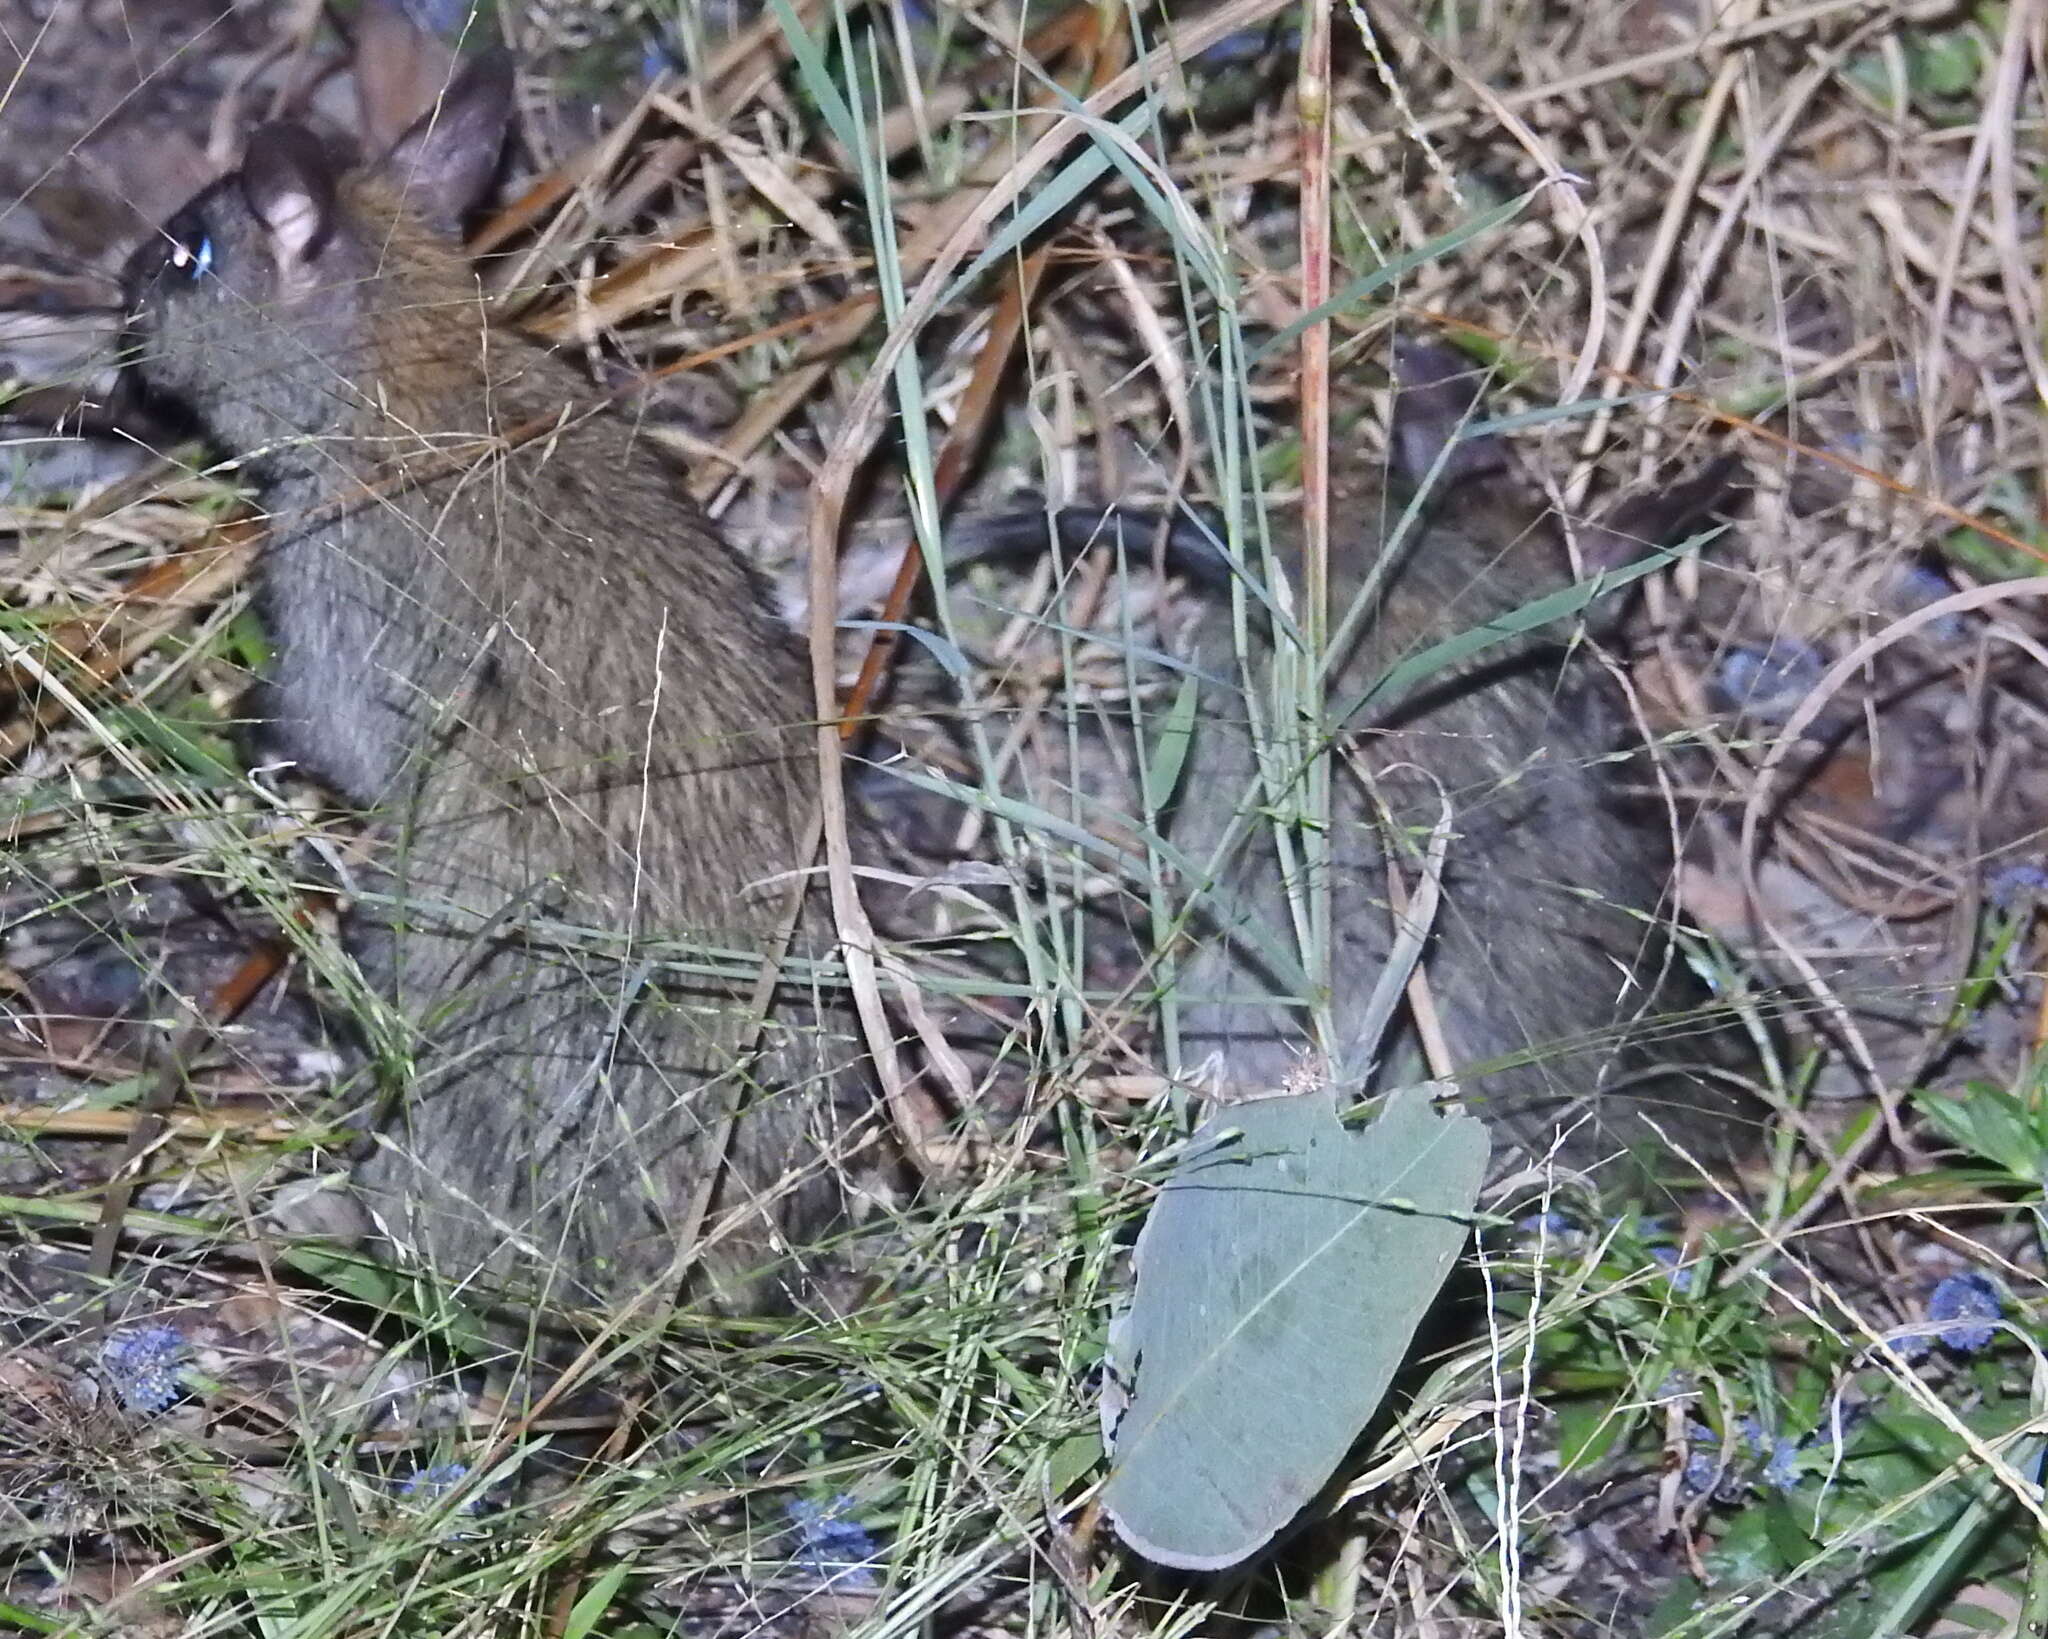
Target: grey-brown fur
<point>563,693</point>
<point>1547,947</point>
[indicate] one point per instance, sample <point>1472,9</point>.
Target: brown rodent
<point>563,693</point>
<point>1562,1004</point>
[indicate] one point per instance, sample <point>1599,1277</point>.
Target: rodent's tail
<point>1187,541</point>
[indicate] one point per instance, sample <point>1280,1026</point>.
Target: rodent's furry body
<point>1546,959</point>
<point>1548,967</point>
<point>564,693</point>
<point>568,700</point>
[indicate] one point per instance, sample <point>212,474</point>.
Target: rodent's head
<point>278,303</point>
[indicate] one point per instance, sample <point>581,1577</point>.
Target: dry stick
<point>1642,66</point>
<point>846,322</point>
<point>1073,28</point>
<point>794,199</point>
<point>768,409</point>
<point>1312,106</point>
<point>663,268</point>
<point>2023,24</point>
<point>2041,959</point>
<point>1650,279</point>
<point>116,498</point>
<point>1704,267</point>
<point>970,429</point>
<point>764,38</point>
<point>1999,107</point>
<point>1006,325</point>
<point>964,442</point>
<point>898,132</point>
<point>255,1126</point>
<point>1708,410</point>
<point>639,282</point>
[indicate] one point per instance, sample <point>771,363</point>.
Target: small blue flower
<point>1753,1431</point>
<point>1702,1471</point>
<point>142,1363</point>
<point>1920,586</point>
<point>1681,1279</point>
<point>429,1488</point>
<point>1964,1308</point>
<point>1781,1473</point>
<point>832,1546</point>
<point>1769,683</point>
<point>1249,46</point>
<point>1676,1381</point>
<point>443,17</point>
<point>661,53</point>
<point>431,1484</point>
<point>2010,884</point>
<point>1555,1225</point>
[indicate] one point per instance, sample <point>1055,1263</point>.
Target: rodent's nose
<point>136,304</point>
<point>142,266</point>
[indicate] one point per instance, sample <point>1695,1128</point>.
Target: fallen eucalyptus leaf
<point>1280,1278</point>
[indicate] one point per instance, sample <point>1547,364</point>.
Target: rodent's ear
<point>400,71</point>
<point>288,182</point>
<point>1436,398</point>
<point>448,157</point>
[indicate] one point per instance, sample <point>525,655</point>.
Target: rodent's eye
<point>193,258</point>
<point>191,249</point>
